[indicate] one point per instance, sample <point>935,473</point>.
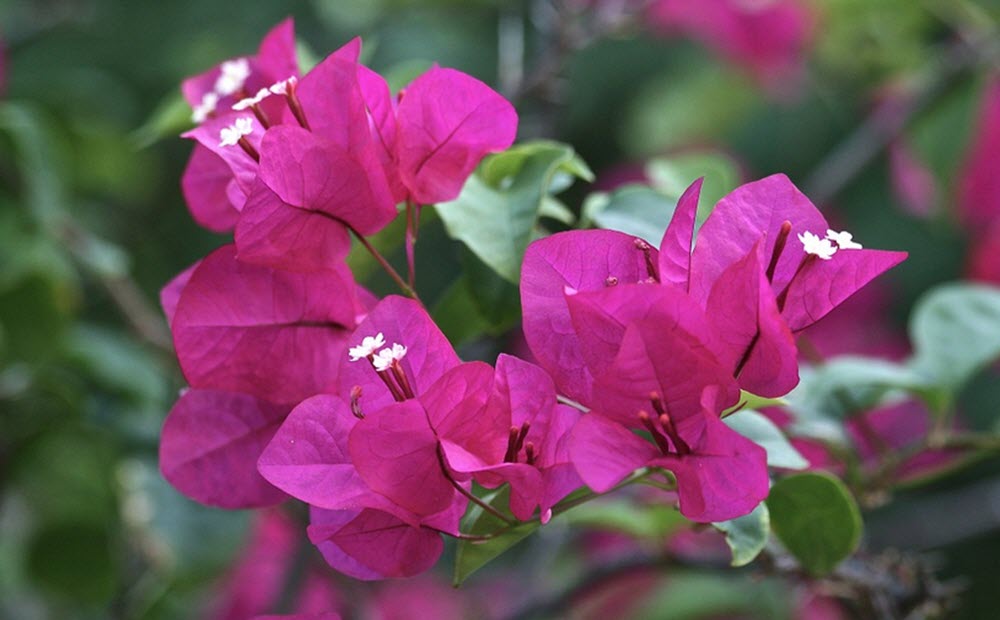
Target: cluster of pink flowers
<point>303,384</point>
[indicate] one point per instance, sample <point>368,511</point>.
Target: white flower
<point>368,345</point>
<point>243,104</point>
<point>843,239</point>
<point>201,111</point>
<point>812,244</point>
<point>231,135</point>
<point>280,88</point>
<point>233,76</point>
<point>384,359</point>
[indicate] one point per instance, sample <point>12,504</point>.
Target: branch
<point>891,117</point>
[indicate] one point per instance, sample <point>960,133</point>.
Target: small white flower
<point>201,111</point>
<point>843,239</point>
<point>385,358</point>
<point>231,135</point>
<point>233,76</point>
<point>812,244</point>
<point>281,88</point>
<point>243,104</point>
<point>369,344</point>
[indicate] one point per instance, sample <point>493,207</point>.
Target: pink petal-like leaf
<point>654,359</point>
<point>242,165</point>
<point>273,233</point>
<point>456,409</point>
<point>737,223</point>
<point>308,457</point>
<point>675,247</point>
<point>601,317</point>
<point>605,452</point>
<point>756,344</point>
<point>822,285</point>
<point>312,173</point>
<point>373,545</point>
<point>276,57</point>
<point>979,183</point>
<point>447,122</point>
<point>725,477</point>
<point>429,354</point>
<point>273,334</point>
<point>396,454</point>
<point>332,100</point>
<point>210,444</point>
<point>204,185</point>
<point>577,261</point>
<point>171,293</point>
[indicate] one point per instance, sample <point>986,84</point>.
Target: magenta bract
<point>210,444</point>
<point>272,334</point>
<point>369,544</point>
<point>446,122</point>
<point>570,262</point>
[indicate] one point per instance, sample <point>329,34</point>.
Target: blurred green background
<point>92,224</point>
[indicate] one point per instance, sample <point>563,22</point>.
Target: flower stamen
<point>844,240</point>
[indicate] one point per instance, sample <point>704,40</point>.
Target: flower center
<point>646,249</point>
<point>515,444</point>
<point>662,428</point>
<point>386,362</point>
<point>237,133</point>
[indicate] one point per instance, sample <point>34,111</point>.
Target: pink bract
<point>979,184</point>
<point>446,122</point>
<point>272,334</point>
<point>369,544</point>
<point>210,444</point>
<point>769,38</point>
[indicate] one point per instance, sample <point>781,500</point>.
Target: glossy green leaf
<point>496,299</point>
<point>672,175</point>
<point>633,209</point>
<point>752,401</point>
<point>497,212</point>
<point>473,555</point>
<point>746,535</point>
<point>816,519</point>
<point>955,331</point>
<point>762,431</point>
<point>843,386</point>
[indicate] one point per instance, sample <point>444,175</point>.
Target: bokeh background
<point>872,107</point>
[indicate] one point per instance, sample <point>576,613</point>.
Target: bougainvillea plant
<point>660,363</point>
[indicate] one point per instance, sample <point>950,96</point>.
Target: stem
<point>889,119</point>
<point>412,222</point>
<point>471,496</point>
<point>406,288</point>
<point>565,505</point>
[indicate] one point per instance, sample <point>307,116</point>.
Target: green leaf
<point>171,117</point>
<point>473,555</point>
<point>675,108</point>
<point>955,330</point>
<point>816,519</point>
<point>654,521</point>
<point>830,393</point>
<point>496,300</point>
<point>635,210</point>
<point>752,401</point>
<point>39,160</point>
<point>672,175</point>
<point>457,314</point>
<point>75,560</point>
<point>746,535</point>
<point>762,431</point>
<point>497,212</point>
